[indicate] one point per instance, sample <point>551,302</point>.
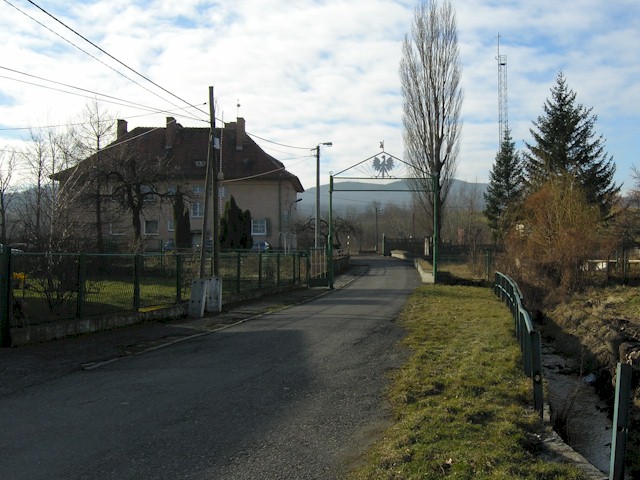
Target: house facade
<point>133,186</point>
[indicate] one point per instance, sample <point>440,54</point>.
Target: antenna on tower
<point>503,107</point>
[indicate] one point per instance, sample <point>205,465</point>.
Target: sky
<point>306,72</point>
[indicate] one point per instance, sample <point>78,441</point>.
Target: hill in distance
<point>358,196</point>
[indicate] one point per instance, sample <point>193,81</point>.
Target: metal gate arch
<point>435,190</point>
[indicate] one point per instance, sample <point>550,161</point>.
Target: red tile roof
<point>188,152</point>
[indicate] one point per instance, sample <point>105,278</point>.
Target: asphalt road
<point>297,394</point>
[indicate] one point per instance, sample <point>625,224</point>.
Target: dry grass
<point>461,402</point>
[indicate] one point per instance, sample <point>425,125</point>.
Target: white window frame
<point>113,232</point>
<point>197,209</point>
<point>171,225</point>
<point>157,229</point>
<point>146,190</point>
<point>198,189</point>
<point>259,227</point>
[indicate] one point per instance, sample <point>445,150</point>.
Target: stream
<point>588,426</point>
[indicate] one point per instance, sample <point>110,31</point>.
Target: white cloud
<point>308,71</point>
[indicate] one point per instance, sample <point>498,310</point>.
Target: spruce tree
<point>564,141</point>
<point>505,188</point>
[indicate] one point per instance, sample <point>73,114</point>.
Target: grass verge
<point>461,403</point>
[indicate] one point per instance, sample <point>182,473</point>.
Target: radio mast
<point>503,108</point>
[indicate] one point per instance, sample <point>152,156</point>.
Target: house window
<point>259,227</point>
<point>198,189</point>
<point>172,189</point>
<point>115,229</point>
<point>197,209</point>
<point>151,227</point>
<point>171,225</point>
<point>148,193</point>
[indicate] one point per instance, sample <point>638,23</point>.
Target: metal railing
<point>37,288</point>
<point>528,337</point>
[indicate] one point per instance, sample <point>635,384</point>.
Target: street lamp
<point>317,233</point>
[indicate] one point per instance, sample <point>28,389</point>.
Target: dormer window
<point>201,163</point>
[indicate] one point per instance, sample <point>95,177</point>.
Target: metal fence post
<point>137,273</point>
<point>620,421</point>
<point>178,258</point>
<point>536,373</point>
<point>82,291</point>
<point>278,269</point>
<point>293,269</point>
<point>238,272</point>
<point>5,297</point>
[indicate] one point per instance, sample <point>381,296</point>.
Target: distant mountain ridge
<point>362,195</point>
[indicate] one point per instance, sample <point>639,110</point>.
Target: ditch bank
<point>584,338</point>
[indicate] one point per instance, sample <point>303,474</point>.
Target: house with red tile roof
<point>135,180</point>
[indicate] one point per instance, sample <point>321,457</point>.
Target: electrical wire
<point>279,144</point>
<point>118,72</point>
<point>114,100</point>
<point>114,58</point>
<point>97,59</point>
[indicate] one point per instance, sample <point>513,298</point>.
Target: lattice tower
<point>503,107</point>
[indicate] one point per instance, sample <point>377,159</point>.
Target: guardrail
<point>527,335</point>
<point>507,289</point>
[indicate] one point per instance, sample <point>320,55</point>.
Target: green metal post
<point>620,421</point>
<point>278,269</point>
<point>436,220</point>
<point>536,373</point>
<point>5,297</point>
<point>137,273</point>
<point>259,270</point>
<point>178,277</point>
<point>293,268</point>
<point>238,273</point>
<point>82,291</point>
<point>330,239</point>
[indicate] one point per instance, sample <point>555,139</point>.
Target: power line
<point>279,144</point>
<point>97,59</point>
<point>118,101</point>
<point>114,58</point>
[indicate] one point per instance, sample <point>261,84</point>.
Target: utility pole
<point>217,160</point>
<point>211,189</point>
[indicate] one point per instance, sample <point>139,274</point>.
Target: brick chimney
<point>121,129</point>
<point>240,133</point>
<point>172,127</point>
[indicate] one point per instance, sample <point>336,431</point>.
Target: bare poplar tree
<point>430,74</point>
<point>49,223</point>
<point>7,166</point>
<point>96,130</point>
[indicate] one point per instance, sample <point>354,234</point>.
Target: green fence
<point>528,337</point>
<point>38,288</point>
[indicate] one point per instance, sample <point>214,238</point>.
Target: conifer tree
<point>564,142</point>
<point>505,188</point>
<point>235,226</point>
